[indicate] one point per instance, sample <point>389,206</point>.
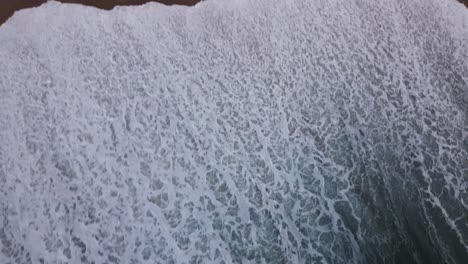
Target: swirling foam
<point>235,132</point>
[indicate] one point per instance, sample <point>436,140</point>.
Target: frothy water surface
<point>238,131</point>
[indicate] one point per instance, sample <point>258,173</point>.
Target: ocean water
<point>281,131</point>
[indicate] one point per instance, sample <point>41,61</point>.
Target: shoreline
<point>9,7</point>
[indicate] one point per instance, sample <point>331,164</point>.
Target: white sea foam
<point>237,131</point>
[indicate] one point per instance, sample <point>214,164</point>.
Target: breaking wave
<point>235,132</point>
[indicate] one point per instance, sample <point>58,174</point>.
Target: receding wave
<point>237,131</point>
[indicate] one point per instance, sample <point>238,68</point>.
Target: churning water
<point>283,131</point>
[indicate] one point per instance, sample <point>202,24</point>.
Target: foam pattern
<point>292,131</point>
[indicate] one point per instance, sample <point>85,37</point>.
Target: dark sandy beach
<point>8,7</point>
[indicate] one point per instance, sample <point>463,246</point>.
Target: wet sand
<point>8,7</point>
